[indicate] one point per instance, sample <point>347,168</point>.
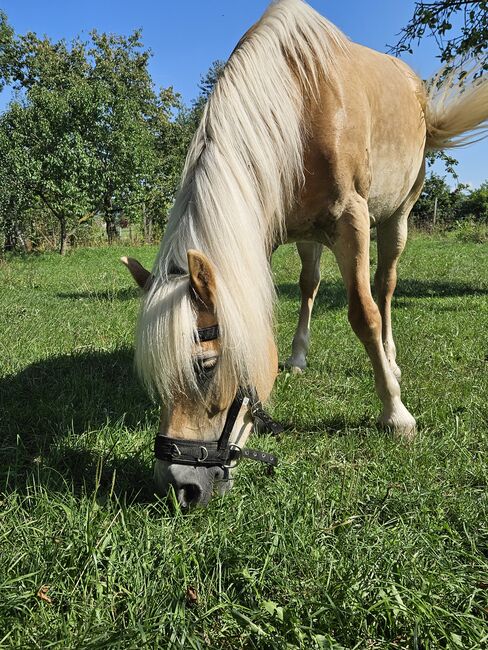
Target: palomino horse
<point>307,137</point>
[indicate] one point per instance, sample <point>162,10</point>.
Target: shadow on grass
<point>109,295</point>
<point>56,415</point>
<point>332,295</point>
<point>409,288</point>
<point>330,427</point>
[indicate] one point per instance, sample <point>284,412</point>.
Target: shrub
<point>471,230</point>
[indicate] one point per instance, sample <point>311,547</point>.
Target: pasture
<point>356,541</point>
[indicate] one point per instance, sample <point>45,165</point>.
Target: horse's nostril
<point>189,495</point>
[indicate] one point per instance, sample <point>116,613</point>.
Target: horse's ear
<point>139,273</point>
<point>202,279</point>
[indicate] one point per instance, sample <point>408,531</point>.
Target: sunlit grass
<point>357,541</point>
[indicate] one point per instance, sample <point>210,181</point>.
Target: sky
<point>186,36</point>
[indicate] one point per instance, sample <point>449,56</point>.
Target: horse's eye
<point>204,368</point>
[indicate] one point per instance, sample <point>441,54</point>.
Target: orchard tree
<point>120,139</point>
<point>100,139</point>
<point>49,121</point>
<point>7,54</point>
<point>171,139</point>
<point>85,115</point>
<point>173,126</point>
<point>18,172</point>
<point>59,166</point>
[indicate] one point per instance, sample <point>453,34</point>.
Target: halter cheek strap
<point>220,453</point>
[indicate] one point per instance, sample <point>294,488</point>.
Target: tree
<point>171,137</point>
<point>173,127</point>
<point>98,139</point>
<point>437,18</point>
<point>438,199</point>
<point>48,123</point>
<point>59,166</point>
<point>87,114</point>
<point>475,205</point>
<point>206,86</point>
<point>16,168</point>
<point>7,54</point>
<point>121,140</point>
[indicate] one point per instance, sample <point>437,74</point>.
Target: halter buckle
<point>235,453</point>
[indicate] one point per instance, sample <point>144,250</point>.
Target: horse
<point>307,137</point>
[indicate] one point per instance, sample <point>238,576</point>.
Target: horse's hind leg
<point>310,254</point>
<point>391,239</point>
<point>351,248</point>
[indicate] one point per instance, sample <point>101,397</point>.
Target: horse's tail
<point>457,109</point>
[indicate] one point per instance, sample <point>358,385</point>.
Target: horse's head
<point>206,414</point>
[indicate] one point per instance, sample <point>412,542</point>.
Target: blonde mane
<point>241,174</point>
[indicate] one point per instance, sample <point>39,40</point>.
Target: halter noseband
<point>220,453</point>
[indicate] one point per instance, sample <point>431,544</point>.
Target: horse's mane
<point>241,173</point>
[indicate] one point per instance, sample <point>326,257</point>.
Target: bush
<point>470,230</point>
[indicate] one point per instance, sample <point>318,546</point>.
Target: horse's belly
<point>389,187</point>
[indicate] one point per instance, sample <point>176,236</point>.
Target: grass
<point>357,541</point>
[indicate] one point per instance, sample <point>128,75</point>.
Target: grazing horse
<point>307,137</point>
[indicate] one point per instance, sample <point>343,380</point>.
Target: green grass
<point>357,541</point>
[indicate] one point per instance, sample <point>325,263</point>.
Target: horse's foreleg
<point>351,249</point>
<point>310,254</point>
<point>391,239</point>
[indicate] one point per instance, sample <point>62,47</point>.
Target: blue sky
<point>187,36</point>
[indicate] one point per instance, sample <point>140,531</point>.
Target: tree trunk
<point>63,236</point>
<point>112,232</point>
<point>10,241</point>
<point>110,220</point>
<point>147,225</point>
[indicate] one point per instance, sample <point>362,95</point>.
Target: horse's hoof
<point>293,367</point>
<point>295,370</point>
<point>400,422</point>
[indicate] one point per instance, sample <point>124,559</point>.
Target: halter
<point>220,453</point>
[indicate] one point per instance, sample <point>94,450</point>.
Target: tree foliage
<point>98,138</point>
<point>450,205</point>
<point>437,19</point>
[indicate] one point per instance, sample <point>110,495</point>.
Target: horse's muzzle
<point>192,486</point>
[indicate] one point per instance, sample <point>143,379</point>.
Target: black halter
<point>220,453</point>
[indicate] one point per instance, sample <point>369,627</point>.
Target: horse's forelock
<point>165,343</point>
<point>165,336</point>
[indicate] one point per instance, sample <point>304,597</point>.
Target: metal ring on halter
<point>175,446</point>
<point>204,456</point>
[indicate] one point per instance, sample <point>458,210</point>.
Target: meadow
<point>356,541</point>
